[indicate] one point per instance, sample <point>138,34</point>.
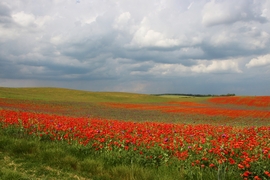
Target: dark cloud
<point>4,10</point>
<point>5,15</point>
<point>149,47</point>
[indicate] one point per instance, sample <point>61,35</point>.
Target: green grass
<point>27,157</point>
<point>64,95</point>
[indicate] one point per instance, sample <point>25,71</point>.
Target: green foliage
<point>8,174</point>
<point>23,147</point>
<point>91,166</point>
<point>36,158</point>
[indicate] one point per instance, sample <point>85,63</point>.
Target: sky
<point>150,47</point>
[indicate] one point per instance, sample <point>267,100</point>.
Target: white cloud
<point>202,67</point>
<point>259,61</point>
<point>214,13</point>
<point>8,34</point>
<point>122,22</point>
<point>168,70</point>
<point>145,37</point>
<point>24,19</point>
<point>123,18</point>
<point>42,20</point>
<point>89,20</point>
<point>56,40</point>
<point>223,37</point>
<point>226,12</point>
<point>216,66</point>
<point>30,20</point>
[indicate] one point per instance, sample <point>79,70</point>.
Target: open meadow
<point>53,133</point>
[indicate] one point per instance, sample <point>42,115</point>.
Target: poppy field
<point>214,137</point>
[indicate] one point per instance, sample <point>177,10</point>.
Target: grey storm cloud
<point>140,46</point>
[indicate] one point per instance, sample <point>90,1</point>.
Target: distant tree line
<point>195,95</point>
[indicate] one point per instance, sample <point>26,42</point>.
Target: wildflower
<point>247,165</point>
<point>267,173</point>
<point>204,159</point>
<point>240,166</point>
<point>265,151</point>
<point>220,161</point>
<point>247,173</point>
<point>231,161</point>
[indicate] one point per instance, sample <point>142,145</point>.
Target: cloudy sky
<point>153,46</point>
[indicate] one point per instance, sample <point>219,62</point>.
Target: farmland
<point>106,135</point>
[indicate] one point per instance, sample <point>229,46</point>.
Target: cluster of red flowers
<point>242,148</point>
<point>259,101</point>
<point>197,108</point>
<point>27,105</point>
